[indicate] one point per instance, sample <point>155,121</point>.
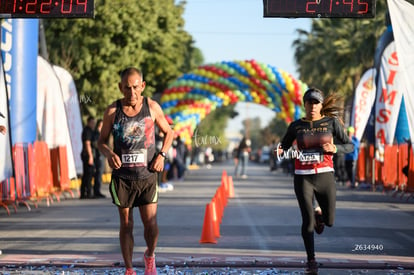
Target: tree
<point>211,128</point>
<point>275,130</point>
<point>146,34</point>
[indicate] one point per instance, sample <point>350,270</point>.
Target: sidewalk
<point>81,236</point>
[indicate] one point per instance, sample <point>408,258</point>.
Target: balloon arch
<point>194,95</point>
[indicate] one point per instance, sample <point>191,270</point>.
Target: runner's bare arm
<point>108,120</point>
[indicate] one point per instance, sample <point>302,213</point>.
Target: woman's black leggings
<point>322,187</point>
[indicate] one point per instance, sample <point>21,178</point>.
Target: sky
<point>230,30</point>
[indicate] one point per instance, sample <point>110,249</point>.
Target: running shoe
<point>319,224</point>
<point>130,271</point>
<point>165,186</point>
<point>311,267</point>
<point>150,268</point>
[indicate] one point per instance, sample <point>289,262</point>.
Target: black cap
<point>313,94</point>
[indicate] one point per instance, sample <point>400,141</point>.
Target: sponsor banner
<point>389,96</point>
<point>19,46</point>
<point>364,99</point>
<point>401,13</point>
<point>383,41</point>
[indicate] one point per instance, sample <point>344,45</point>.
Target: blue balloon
<point>298,112</point>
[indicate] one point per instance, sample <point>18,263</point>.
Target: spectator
<point>351,158</point>
<point>180,154</point>
<point>243,157</point>
<point>87,155</point>
<point>99,162</point>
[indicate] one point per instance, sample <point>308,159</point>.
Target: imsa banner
<point>389,95</point>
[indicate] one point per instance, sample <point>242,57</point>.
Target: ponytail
<point>332,107</point>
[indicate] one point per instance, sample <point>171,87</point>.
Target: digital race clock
<point>319,8</point>
<point>46,8</point>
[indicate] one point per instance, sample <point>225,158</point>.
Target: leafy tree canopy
<point>147,34</point>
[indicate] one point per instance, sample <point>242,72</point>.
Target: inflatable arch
<point>194,95</point>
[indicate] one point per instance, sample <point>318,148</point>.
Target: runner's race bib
<point>135,158</point>
<point>310,157</point>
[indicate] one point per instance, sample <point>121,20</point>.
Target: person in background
<point>273,160</point>
<point>340,168</point>
<point>99,162</point>
<point>314,178</point>
<point>243,152</point>
<point>235,159</point>
<point>179,158</point>
<point>208,156</point>
<point>351,158</point>
<point>132,120</point>
<point>87,155</point>
<point>163,181</point>
<point>166,175</point>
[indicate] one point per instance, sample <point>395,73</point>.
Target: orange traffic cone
<point>216,222</point>
<point>207,234</point>
<point>224,174</point>
<point>218,198</point>
<point>230,192</point>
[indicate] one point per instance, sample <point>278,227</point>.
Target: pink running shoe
<point>130,271</point>
<point>150,268</point>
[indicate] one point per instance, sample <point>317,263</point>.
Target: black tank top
<point>134,142</point>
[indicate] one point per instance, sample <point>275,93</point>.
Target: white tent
<point>58,114</point>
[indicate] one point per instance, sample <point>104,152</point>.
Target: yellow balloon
<point>290,87</point>
<point>166,98</point>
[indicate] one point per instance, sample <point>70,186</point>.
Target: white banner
<point>364,99</point>
<point>51,114</point>
<point>74,120</point>
<point>401,13</point>
<point>6,165</point>
<point>389,96</point>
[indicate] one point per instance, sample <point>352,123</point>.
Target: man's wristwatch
<point>163,154</point>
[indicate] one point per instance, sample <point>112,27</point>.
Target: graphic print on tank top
<point>134,139</point>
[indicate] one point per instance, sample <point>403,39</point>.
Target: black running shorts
<point>127,193</point>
